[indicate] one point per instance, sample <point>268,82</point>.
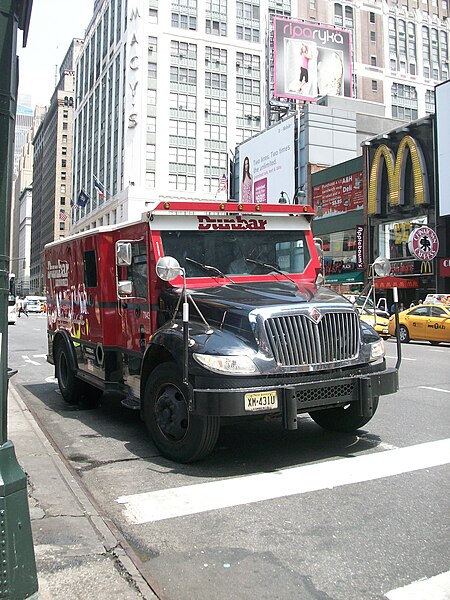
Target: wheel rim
<point>62,370</point>
<point>403,334</point>
<point>171,413</point>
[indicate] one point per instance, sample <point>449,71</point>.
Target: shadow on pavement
<point>243,448</point>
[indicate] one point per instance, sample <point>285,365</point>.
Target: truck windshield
<point>238,253</point>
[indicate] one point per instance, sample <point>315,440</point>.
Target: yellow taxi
<point>380,324</point>
<point>429,322</point>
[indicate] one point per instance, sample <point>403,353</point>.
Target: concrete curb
<point>56,495</point>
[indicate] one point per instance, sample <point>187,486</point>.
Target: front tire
<point>346,419</point>
<point>179,435</point>
<point>403,334</point>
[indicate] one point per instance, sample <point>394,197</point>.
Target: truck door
<point>133,296</point>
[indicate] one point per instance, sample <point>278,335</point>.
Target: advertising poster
<point>339,195</point>
<point>311,60</point>
<point>267,165</point>
<point>442,94</point>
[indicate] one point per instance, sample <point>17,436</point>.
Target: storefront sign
<point>337,266</point>
<point>423,243</point>
<point>396,172</point>
<point>360,246</point>
<point>411,267</point>
<point>339,195</point>
<point>386,283</point>
<point>444,267</point>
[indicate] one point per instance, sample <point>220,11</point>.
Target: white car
<point>33,304</point>
<point>12,314</point>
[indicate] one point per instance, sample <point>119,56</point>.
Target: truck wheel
<point>403,334</point>
<point>71,388</point>
<point>178,435</point>
<point>342,419</point>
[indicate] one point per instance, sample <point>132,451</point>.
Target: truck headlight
<point>377,350</point>
<point>232,365</point>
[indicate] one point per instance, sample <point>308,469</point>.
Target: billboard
<point>267,165</point>
<point>442,99</point>
<point>311,60</point>
<point>338,195</point>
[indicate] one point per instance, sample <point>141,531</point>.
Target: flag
<point>223,183</point>
<point>73,203</point>
<point>99,187</point>
<point>63,215</point>
<point>83,199</point>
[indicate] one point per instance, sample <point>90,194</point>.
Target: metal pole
<point>18,578</point>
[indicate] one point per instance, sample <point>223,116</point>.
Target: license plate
<point>255,401</point>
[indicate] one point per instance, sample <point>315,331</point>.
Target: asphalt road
<point>270,514</point>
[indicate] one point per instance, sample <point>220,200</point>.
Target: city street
<point>271,513</point>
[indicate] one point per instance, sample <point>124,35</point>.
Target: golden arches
<point>396,175</point>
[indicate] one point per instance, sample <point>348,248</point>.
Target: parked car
<point>429,322</point>
<point>33,304</point>
<point>12,313</point>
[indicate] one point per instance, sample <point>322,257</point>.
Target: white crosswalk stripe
<point>434,588</point>
<point>192,499</point>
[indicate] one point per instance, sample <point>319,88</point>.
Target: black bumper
<point>299,397</point>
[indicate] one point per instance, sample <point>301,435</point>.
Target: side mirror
<point>168,268</point>
<point>125,288</point>
<point>123,254</point>
<point>320,279</point>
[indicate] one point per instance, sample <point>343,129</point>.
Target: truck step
<point>131,403</point>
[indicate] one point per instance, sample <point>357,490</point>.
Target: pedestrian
<point>22,307</point>
<point>401,307</point>
<point>412,304</point>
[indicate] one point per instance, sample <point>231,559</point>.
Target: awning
<point>346,277</point>
<point>403,283</point>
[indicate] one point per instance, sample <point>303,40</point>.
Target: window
<point>62,226</point>
<point>63,188</point>
<point>338,19</point>
<point>373,36</point>
<point>90,269</point>
<point>152,15</point>
<point>374,85</point>
<point>137,271</point>
<point>373,61</point>
<point>372,17</point>
<point>63,162</point>
<point>62,200</point>
<point>63,175</point>
<point>151,70</point>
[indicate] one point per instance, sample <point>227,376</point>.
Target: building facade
<point>52,170</point>
<point>165,91</point>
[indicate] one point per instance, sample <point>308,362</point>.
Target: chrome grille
<point>296,340</point>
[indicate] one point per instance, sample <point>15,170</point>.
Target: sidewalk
<point>77,555</point>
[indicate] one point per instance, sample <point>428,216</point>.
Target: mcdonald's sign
<point>426,267</point>
<point>396,174</point>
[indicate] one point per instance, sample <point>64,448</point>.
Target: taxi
<point>380,324</point>
<point>429,322</point>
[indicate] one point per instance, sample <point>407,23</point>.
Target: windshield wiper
<point>209,268</point>
<point>271,267</point>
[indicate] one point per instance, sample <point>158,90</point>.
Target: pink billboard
<point>311,60</point>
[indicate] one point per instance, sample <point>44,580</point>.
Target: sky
<point>53,25</point>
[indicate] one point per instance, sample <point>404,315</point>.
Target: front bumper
<point>299,397</point>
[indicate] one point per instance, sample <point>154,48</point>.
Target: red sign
<point>399,282</point>
<point>423,243</point>
<point>360,246</point>
<point>444,267</point>
<point>339,195</point>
